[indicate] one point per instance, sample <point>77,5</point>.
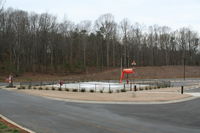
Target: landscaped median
<point>7,127</point>
<point>156,95</point>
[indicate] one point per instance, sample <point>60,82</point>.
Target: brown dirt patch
<point>148,72</point>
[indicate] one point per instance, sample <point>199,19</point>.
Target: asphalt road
<point>50,116</point>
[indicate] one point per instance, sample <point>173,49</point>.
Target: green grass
<point>5,129</point>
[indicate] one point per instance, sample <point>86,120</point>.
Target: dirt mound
<point>149,73</point>
<point>114,74</point>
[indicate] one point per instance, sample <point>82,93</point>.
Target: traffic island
<point>130,96</point>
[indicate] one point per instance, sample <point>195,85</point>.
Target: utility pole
<point>121,65</point>
<point>127,65</point>
<point>184,62</point>
<point>184,67</point>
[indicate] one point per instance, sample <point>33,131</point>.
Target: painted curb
<point>12,122</point>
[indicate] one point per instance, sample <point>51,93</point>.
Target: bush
<point>110,91</point>
<point>53,88</point>
<point>59,89</point>
<point>141,89</point>
<point>146,87</point>
<point>29,87</point>
<point>19,88</point>
<point>150,87</point>
<point>101,91</point>
<point>34,88</point>
<point>118,91</point>
<point>66,89</point>
<point>123,90</point>
<point>92,91</point>
<point>82,90</point>
<point>46,88</point>
<point>75,90</point>
<point>40,88</point>
<point>23,87</point>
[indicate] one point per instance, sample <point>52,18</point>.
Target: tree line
<point>31,42</point>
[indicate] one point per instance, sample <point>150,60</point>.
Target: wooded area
<point>31,42</point>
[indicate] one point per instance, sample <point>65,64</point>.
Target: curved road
<point>50,116</point>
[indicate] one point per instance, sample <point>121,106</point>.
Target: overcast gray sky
<point>172,13</point>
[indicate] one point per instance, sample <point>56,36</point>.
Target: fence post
<point>130,86</point>
<point>135,88</point>
<point>124,86</point>
<point>182,89</point>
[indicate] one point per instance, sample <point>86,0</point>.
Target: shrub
<point>118,91</point>
<point>123,90</point>
<point>82,90</point>
<point>29,87</point>
<point>53,88</point>
<point>66,89</point>
<point>40,88</point>
<point>75,90</point>
<point>110,91</point>
<point>46,88</point>
<point>19,88</point>
<point>92,91</point>
<point>34,88</point>
<point>23,87</point>
<point>141,89</point>
<point>59,89</point>
<point>150,88</point>
<point>101,91</point>
<point>146,87</point>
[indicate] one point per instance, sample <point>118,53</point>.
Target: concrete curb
<point>195,94</point>
<point>133,103</point>
<point>10,121</point>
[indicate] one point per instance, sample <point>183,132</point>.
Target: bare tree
<point>107,26</point>
<point>1,5</point>
<point>84,27</point>
<point>31,42</point>
<point>125,27</point>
